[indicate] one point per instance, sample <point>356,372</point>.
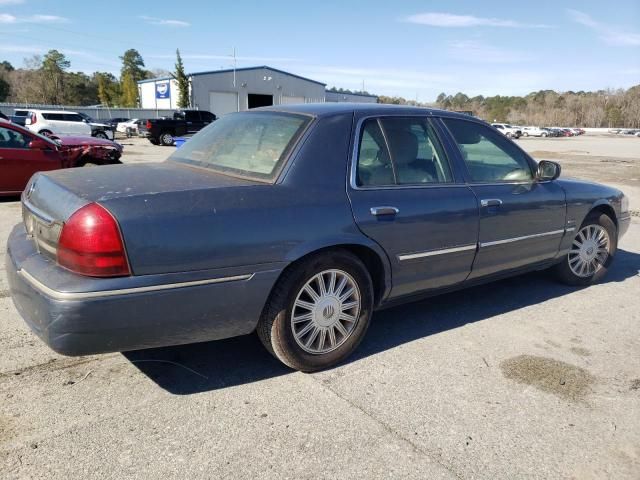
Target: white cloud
<point>609,34</point>
<point>165,22</point>
<point>450,20</point>
<point>31,49</point>
<point>7,18</point>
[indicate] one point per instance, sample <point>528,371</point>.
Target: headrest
<point>403,145</point>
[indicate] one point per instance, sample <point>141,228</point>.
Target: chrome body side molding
<point>57,295</point>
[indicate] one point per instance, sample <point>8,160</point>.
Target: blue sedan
<point>296,222</point>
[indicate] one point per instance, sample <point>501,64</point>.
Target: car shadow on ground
<point>188,369</point>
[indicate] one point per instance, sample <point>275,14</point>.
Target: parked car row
<point>61,122</point>
<point>24,152</point>
<point>626,131</point>
<point>515,131</point>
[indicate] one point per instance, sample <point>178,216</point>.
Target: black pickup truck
<point>186,122</point>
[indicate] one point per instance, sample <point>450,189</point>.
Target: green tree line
<point>604,108</point>
<point>48,80</point>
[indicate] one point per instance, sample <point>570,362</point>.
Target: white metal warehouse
<point>225,91</point>
<point>232,90</point>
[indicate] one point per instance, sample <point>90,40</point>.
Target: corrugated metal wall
<point>262,81</point>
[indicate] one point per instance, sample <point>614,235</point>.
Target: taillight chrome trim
<point>58,295</point>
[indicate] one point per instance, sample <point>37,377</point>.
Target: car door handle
<point>377,211</point>
<point>490,202</point>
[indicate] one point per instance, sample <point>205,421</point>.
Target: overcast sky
<point>410,48</point>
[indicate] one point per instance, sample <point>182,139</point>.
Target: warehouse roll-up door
<point>287,100</point>
<point>222,103</point>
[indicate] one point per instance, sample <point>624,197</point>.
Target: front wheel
<point>525,134</point>
<point>318,312</point>
<point>166,139</point>
<point>101,135</point>
<point>592,252</point>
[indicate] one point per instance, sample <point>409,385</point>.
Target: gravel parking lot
<point>523,378</point>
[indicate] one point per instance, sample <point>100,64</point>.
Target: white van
<point>57,122</point>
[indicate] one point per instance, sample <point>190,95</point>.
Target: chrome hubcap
<point>326,311</point>
<point>589,251</point>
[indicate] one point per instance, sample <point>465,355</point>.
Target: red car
<point>23,153</point>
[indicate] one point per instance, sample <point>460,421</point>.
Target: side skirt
<point>467,284</point>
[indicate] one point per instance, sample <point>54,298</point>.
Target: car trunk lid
<point>52,197</point>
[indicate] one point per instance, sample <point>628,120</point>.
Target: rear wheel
<point>525,134</point>
<point>592,252</point>
<point>46,133</point>
<point>166,139</point>
<point>318,312</point>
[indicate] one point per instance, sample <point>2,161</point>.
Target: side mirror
<point>548,171</point>
<point>39,144</point>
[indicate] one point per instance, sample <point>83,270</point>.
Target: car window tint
<point>12,139</point>
<point>72,117</point>
<point>374,165</point>
<point>488,156</point>
<point>416,154</point>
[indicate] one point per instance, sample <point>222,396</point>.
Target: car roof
<point>331,108</point>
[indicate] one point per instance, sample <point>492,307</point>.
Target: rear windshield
<point>253,144</point>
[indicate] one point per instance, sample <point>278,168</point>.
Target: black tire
<point>543,135</point>
<point>166,139</point>
<point>275,327</point>
<point>525,134</point>
<point>101,135</point>
<point>564,272</point>
<point>46,133</point>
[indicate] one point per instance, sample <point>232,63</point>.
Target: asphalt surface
<point>523,378</point>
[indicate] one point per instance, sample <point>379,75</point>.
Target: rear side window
<point>250,144</point>
<point>401,151</point>
<point>56,117</point>
<point>73,117</point>
<point>488,156</point>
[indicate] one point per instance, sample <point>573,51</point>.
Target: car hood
<point>78,141</point>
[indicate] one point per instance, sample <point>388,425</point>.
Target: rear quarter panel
<point>307,209</point>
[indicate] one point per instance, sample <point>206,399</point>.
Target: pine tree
<point>183,82</point>
<point>129,91</point>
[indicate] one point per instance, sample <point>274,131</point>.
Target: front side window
<point>488,156</point>
<point>400,151</point>
<point>11,139</point>
<point>252,144</point>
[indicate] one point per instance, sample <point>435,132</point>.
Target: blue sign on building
<point>163,90</point>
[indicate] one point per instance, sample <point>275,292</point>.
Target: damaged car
<point>23,153</point>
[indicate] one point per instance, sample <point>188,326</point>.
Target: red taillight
<point>34,118</point>
<point>91,244</point>
<point>148,124</point>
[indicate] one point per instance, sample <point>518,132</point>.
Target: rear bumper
<point>130,318</point>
